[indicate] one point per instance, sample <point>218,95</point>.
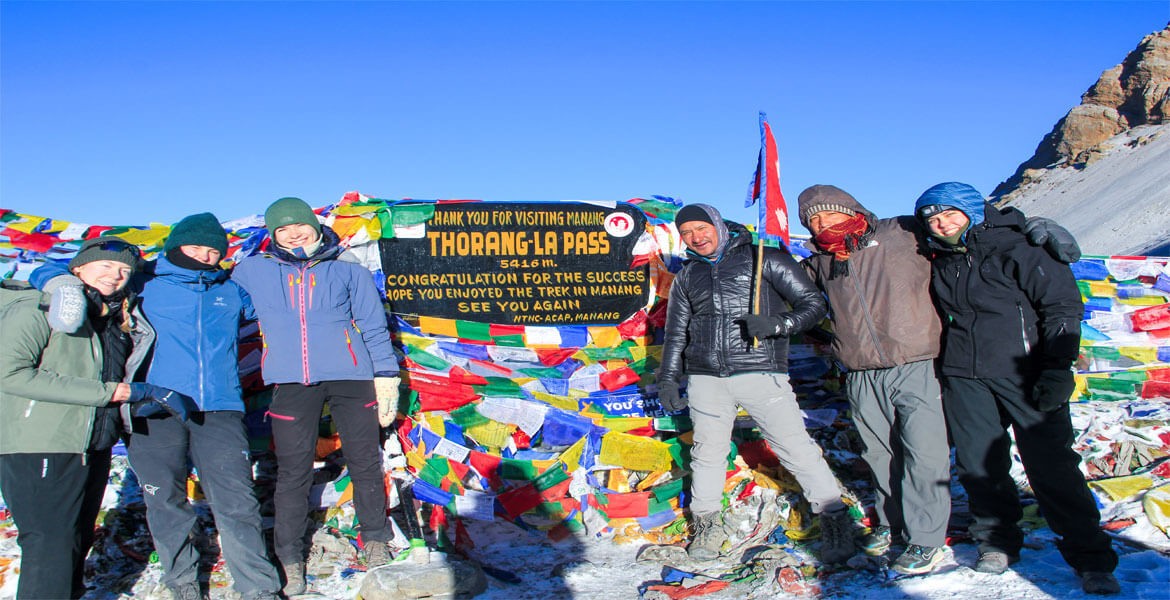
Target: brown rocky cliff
<point>1135,92</point>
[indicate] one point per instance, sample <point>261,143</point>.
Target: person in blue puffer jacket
<point>196,312</point>
<point>326,339</point>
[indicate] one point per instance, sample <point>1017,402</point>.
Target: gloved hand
<point>147,400</point>
<point>66,303</point>
<point>1055,239</point>
<point>669,397</point>
<point>764,326</point>
<point>1053,389</point>
<point>386,390</point>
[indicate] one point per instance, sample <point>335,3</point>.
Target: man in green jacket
<point>56,422</point>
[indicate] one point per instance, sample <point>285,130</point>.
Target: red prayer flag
<point>765,188</point>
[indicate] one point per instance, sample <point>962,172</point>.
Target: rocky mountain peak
<point>1131,94</point>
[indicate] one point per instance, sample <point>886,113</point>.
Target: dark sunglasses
<point>117,246</point>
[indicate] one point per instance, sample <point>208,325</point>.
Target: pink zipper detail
<point>304,328</point>
<point>281,417</point>
<point>349,346</point>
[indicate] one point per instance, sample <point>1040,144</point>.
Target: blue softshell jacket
<point>322,318</point>
<point>196,316</point>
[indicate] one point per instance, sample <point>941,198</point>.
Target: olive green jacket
<point>49,380</point>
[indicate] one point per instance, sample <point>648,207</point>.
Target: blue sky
<point>126,113</point>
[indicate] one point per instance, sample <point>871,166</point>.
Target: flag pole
<point>759,275</point>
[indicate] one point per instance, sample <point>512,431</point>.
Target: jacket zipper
<point>349,346</point>
<point>199,340</point>
<point>869,321</point>
<point>304,324</point>
<point>1023,330</point>
<point>974,313</point>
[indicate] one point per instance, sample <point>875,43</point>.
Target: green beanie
<point>289,211</point>
<point>202,229</point>
<point>107,248</point>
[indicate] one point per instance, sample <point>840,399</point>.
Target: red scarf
<point>840,240</point>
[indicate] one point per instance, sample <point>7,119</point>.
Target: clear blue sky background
<point>126,113</point>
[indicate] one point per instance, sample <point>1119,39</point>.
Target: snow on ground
<point>1116,205</point>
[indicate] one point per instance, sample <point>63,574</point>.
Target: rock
<point>1086,126</point>
<point>442,578</point>
<point>328,551</point>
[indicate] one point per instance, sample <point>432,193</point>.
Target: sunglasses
<point>117,246</point>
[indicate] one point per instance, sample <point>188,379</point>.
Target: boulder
<point>443,577</point>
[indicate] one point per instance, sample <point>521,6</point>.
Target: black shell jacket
<point>1009,309</point>
<point>707,298</point>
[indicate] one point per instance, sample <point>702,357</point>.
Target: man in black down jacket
<point>1011,331</point>
<point>709,331</point>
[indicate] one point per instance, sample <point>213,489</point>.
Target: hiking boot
<point>918,559</point>
<point>376,554</point>
<point>1099,582</point>
<point>188,591</point>
<point>294,579</point>
<point>707,536</point>
<point>877,541</point>
<point>995,562</point>
<point>836,536</point>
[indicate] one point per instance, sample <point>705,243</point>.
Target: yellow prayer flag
<point>635,452</point>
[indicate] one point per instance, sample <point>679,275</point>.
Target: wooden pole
<point>759,275</point>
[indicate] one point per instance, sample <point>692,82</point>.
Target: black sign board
<point>519,263</point>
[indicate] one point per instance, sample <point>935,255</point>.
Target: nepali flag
<point>765,188</point>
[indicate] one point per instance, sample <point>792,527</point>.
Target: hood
<point>828,197</point>
<point>952,194</point>
<point>724,236</point>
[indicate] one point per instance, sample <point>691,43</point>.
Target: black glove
<point>669,397</point>
<point>147,400</point>
<point>765,326</point>
<point>1053,389</point>
<point>1055,239</point>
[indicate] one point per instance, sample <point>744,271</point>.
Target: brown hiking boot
<point>707,536</point>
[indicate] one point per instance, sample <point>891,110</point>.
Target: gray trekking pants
<point>769,399</point>
<point>898,412</point>
<point>217,444</point>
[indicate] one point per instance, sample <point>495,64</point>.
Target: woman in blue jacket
<point>326,340</point>
<point>196,312</point>
<point>1011,330</point>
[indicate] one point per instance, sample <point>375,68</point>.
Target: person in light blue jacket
<point>196,312</point>
<point>326,340</point>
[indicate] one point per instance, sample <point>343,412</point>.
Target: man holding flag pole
<point>732,343</point>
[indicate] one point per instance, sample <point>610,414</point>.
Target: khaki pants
<point>769,399</point>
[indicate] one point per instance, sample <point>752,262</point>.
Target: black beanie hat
<point>202,229</point>
<point>107,248</point>
<point>691,212</point>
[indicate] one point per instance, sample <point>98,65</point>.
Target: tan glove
<point>386,390</point>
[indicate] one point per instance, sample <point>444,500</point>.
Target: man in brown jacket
<point>886,333</point>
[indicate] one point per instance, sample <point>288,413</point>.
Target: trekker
<point>876,277</point>
<point>709,331</point>
<point>326,339</point>
<point>57,419</point>
<point>196,312</point>
<point>1012,322</point>
<point>886,333</point>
